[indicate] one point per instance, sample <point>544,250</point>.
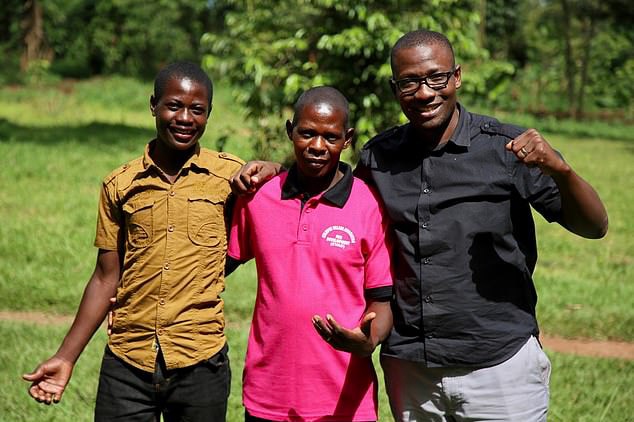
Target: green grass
<point>582,389</point>
<point>58,142</point>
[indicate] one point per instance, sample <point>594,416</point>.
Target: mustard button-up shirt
<point>172,239</point>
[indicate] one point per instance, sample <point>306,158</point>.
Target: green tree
<point>271,51</point>
<point>576,49</point>
<point>86,37</point>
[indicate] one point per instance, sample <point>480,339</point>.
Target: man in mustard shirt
<point>161,235</point>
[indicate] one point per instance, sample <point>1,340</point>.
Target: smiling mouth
<point>182,134</point>
<point>429,109</point>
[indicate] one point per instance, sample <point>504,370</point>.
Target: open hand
<point>49,380</point>
<point>357,340</point>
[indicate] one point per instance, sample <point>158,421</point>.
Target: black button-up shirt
<point>466,248</point>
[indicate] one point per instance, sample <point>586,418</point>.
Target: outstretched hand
<point>357,340</point>
<point>532,149</point>
<point>49,380</point>
<point>252,175</point>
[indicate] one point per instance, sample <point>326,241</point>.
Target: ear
<point>458,76</point>
<point>393,87</point>
<point>153,105</point>
<point>349,136</point>
<point>289,129</point>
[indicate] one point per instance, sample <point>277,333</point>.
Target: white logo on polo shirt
<point>338,236</point>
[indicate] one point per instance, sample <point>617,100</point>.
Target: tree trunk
<point>570,70</point>
<point>35,47</point>
<point>585,63</point>
<point>482,30</point>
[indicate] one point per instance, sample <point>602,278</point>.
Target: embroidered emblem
<point>338,236</point>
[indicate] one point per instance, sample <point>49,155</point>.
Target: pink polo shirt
<point>317,259</point>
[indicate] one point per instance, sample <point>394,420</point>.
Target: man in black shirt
<point>459,188</point>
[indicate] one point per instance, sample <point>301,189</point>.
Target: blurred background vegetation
<point>546,58</point>
<point>75,80</point>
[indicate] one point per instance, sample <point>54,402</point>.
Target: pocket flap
<point>135,205</point>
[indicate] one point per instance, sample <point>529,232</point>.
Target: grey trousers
<point>514,390</point>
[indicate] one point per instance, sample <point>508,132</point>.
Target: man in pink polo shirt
<point>319,239</point>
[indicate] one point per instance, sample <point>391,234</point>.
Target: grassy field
<point>58,142</point>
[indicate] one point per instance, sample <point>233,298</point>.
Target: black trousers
<point>197,393</point>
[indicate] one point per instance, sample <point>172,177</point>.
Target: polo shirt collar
<point>338,194</point>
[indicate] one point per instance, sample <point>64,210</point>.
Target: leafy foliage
<point>271,51</point>
<point>119,36</point>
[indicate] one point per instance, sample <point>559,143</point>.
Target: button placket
<point>305,218</point>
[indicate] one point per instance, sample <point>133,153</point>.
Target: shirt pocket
<point>138,214</point>
<point>205,220</point>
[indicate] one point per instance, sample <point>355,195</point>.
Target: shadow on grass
<point>96,133</point>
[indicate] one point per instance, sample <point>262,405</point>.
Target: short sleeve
<point>109,234</point>
<point>539,189</point>
<point>239,238</point>
<point>378,269</point>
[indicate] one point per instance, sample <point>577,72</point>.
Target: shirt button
<point>429,336</point>
<point>162,301</point>
<point>160,332</point>
<point>425,224</point>
<point>166,266</point>
<point>427,299</point>
<point>304,227</point>
<point>426,261</point>
<point>426,190</point>
<point>309,210</point>
<point>172,193</point>
<point>170,228</point>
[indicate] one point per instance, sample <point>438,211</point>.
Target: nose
<point>184,115</point>
<point>424,93</point>
<point>317,146</point>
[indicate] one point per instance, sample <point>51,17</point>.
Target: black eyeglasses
<point>408,86</point>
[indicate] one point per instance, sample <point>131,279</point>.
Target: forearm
<point>583,212</point>
<point>382,324</point>
<point>92,310</point>
<point>93,307</point>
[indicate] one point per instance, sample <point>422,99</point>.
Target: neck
<point>315,186</point>
<point>440,135</point>
<point>168,160</point>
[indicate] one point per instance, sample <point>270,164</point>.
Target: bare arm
<point>583,212</point>
<point>374,327</point>
<point>50,378</point>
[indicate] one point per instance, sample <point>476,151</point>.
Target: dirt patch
<point>587,347</point>
<point>582,347</point>
<point>39,318</point>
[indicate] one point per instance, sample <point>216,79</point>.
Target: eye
<point>437,78</point>
<point>407,84</point>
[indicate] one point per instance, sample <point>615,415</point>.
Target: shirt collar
<point>338,194</point>
<point>194,160</point>
<point>461,136</point>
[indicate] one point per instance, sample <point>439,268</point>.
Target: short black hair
<point>418,38</point>
<point>182,70</point>
<point>322,94</point>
